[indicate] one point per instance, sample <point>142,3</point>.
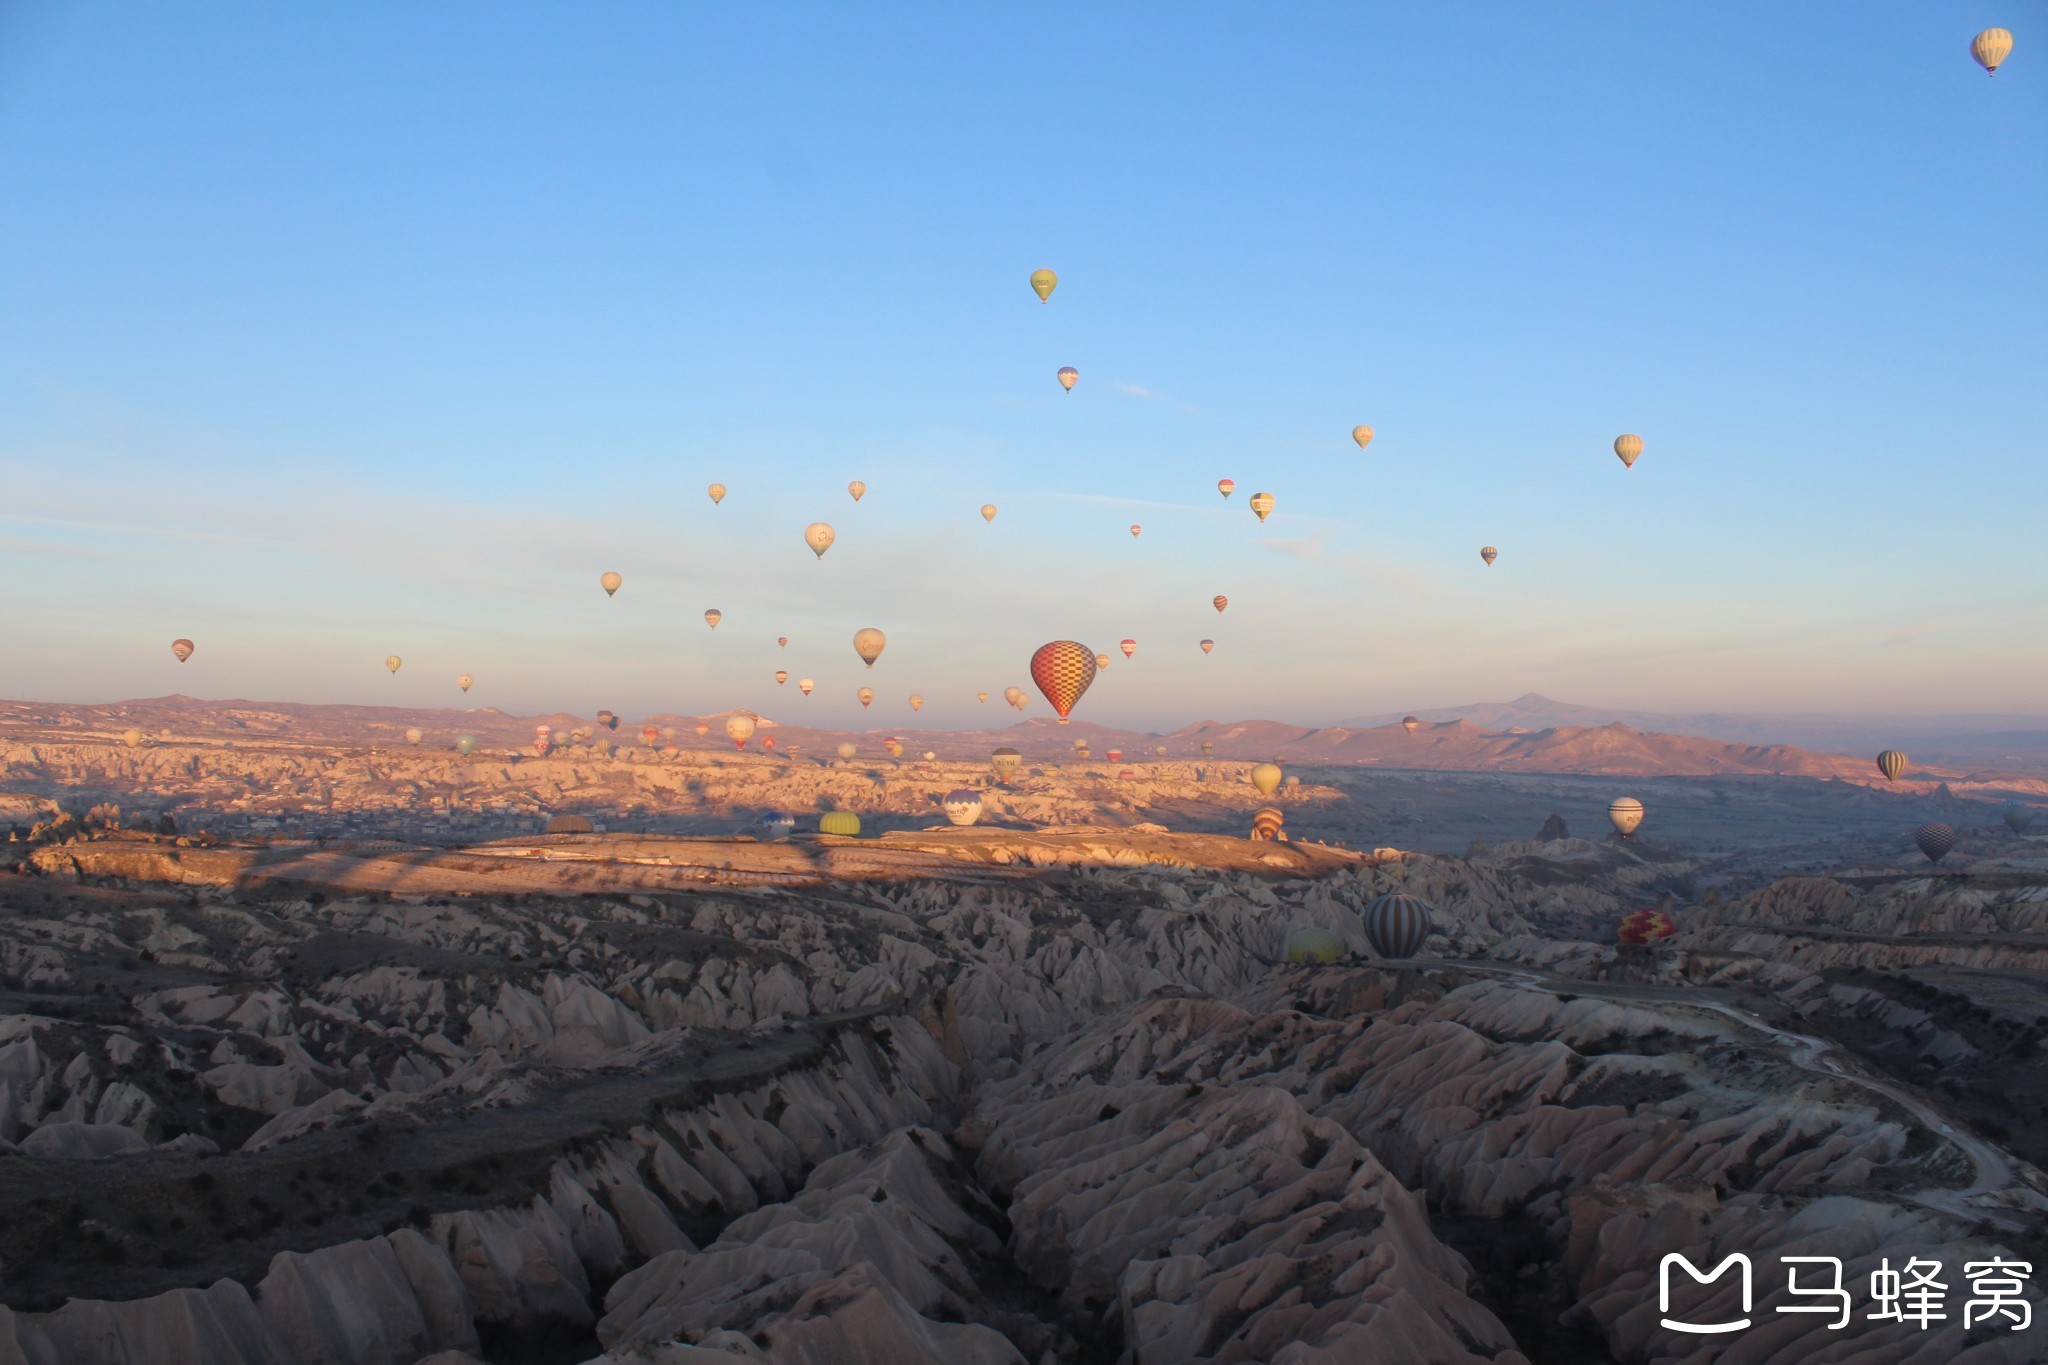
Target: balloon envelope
<point>1137,531</point>
<point>713,617</point>
<point>1626,813</point>
<point>1101,661</point>
<point>1063,669</point>
<point>464,682</point>
<point>1266,777</point>
<point>1266,823</point>
<point>182,648</point>
<point>1219,601</point>
<point>916,701</point>
<point>1043,282</point>
<point>392,662</point>
<point>1226,486</point>
<point>1363,435</point>
<point>856,488</point>
<point>1935,840</point>
<point>866,695</point>
<point>869,643</point>
<point>1489,554</point>
<point>988,511</point>
<point>1262,504</point>
<point>1639,927</point>
<point>781,676</point>
<point>717,492</point>
<point>1004,761</point>
<point>1069,376</point>
<point>132,738</point>
<point>1129,647</point>
<point>782,642</point>
<point>1208,645</point>
<point>1991,47</point>
<point>414,734</point>
<point>819,537</point>
<point>1311,947</point>
<point>465,743</point>
<point>739,729</point>
<point>1397,925</point>
<point>2018,818</point>
<point>1628,447</point>
<point>962,807</point>
<point>804,685</point>
<point>1891,763</point>
<point>1409,723</point>
<point>610,583</point>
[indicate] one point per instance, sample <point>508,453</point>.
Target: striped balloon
<point>1935,840</point>
<point>1397,925</point>
<point>1489,554</point>
<point>1646,926</point>
<point>1219,601</point>
<point>1891,763</point>
<point>1629,448</point>
<point>1063,670</point>
<point>1266,823</point>
<point>1625,812</point>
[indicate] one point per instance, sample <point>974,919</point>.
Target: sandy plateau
<point>317,1047</point>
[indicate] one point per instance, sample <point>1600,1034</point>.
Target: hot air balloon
<point>988,511</point>
<point>702,728</point>
<point>856,488</point>
<point>610,582</point>
<point>1935,840</point>
<point>866,695</point>
<point>2018,818</point>
<point>1626,812</point>
<point>1136,531</point>
<point>819,537</point>
<point>648,734</point>
<point>1266,777</point>
<point>1891,763</point>
<point>847,749</point>
<point>895,747</point>
<point>542,738</point>
<point>1628,447</point>
<point>1363,435</point>
<point>413,734</point>
<point>1114,755</point>
<point>1489,554</point>
<point>869,643</point>
<point>1043,282</point>
<point>963,806</point>
<point>1014,696</point>
<point>1640,928</point>
<point>1314,947</point>
<point>739,728</point>
<point>1063,670</point>
<point>929,755</point>
<point>464,682</point>
<point>776,825</point>
<point>981,696</point>
<point>1397,925</point>
<point>841,823</point>
<point>1219,601</point>
<point>1129,647</point>
<point>1208,747</point>
<point>392,662</point>
<point>1262,504</point>
<point>1226,486</point>
<point>717,492</point>
<point>1409,723</point>
<point>1266,823</point>
<point>713,617</point>
<point>804,685</point>
<point>182,648</point>
<point>916,701</point>
<point>1208,646</point>
<point>1101,662</point>
<point>768,743</point>
<point>464,744</point>
<point>1068,377</point>
<point>782,642</point>
<point>668,732</point>
<point>1991,47</point>
<point>781,676</point>
<point>1004,762</point>
<point>132,738</point>
<point>608,720</point>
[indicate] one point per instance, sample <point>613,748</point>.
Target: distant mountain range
<point>1956,740</point>
<point>1531,734</point>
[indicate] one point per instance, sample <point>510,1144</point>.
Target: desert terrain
<point>317,1046</point>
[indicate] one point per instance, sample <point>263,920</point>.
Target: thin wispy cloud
<point>1136,390</point>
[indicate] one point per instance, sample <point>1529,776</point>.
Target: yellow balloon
<point>916,702</point>
<point>1266,777</point>
<point>1991,47</point>
<point>1629,448</point>
<point>856,488</point>
<point>393,662</point>
<point>717,492</point>
<point>610,583</point>
<point>1362,434</point>
<point>1043,282</point>
<point>988,511</point>
<point>464,682</point>
<point>1262,503</point>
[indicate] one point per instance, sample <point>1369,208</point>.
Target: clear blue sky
<point>335,331</point>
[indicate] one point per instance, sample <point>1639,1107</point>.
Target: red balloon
<point>1063,670</point>
<point>1646,926</point>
